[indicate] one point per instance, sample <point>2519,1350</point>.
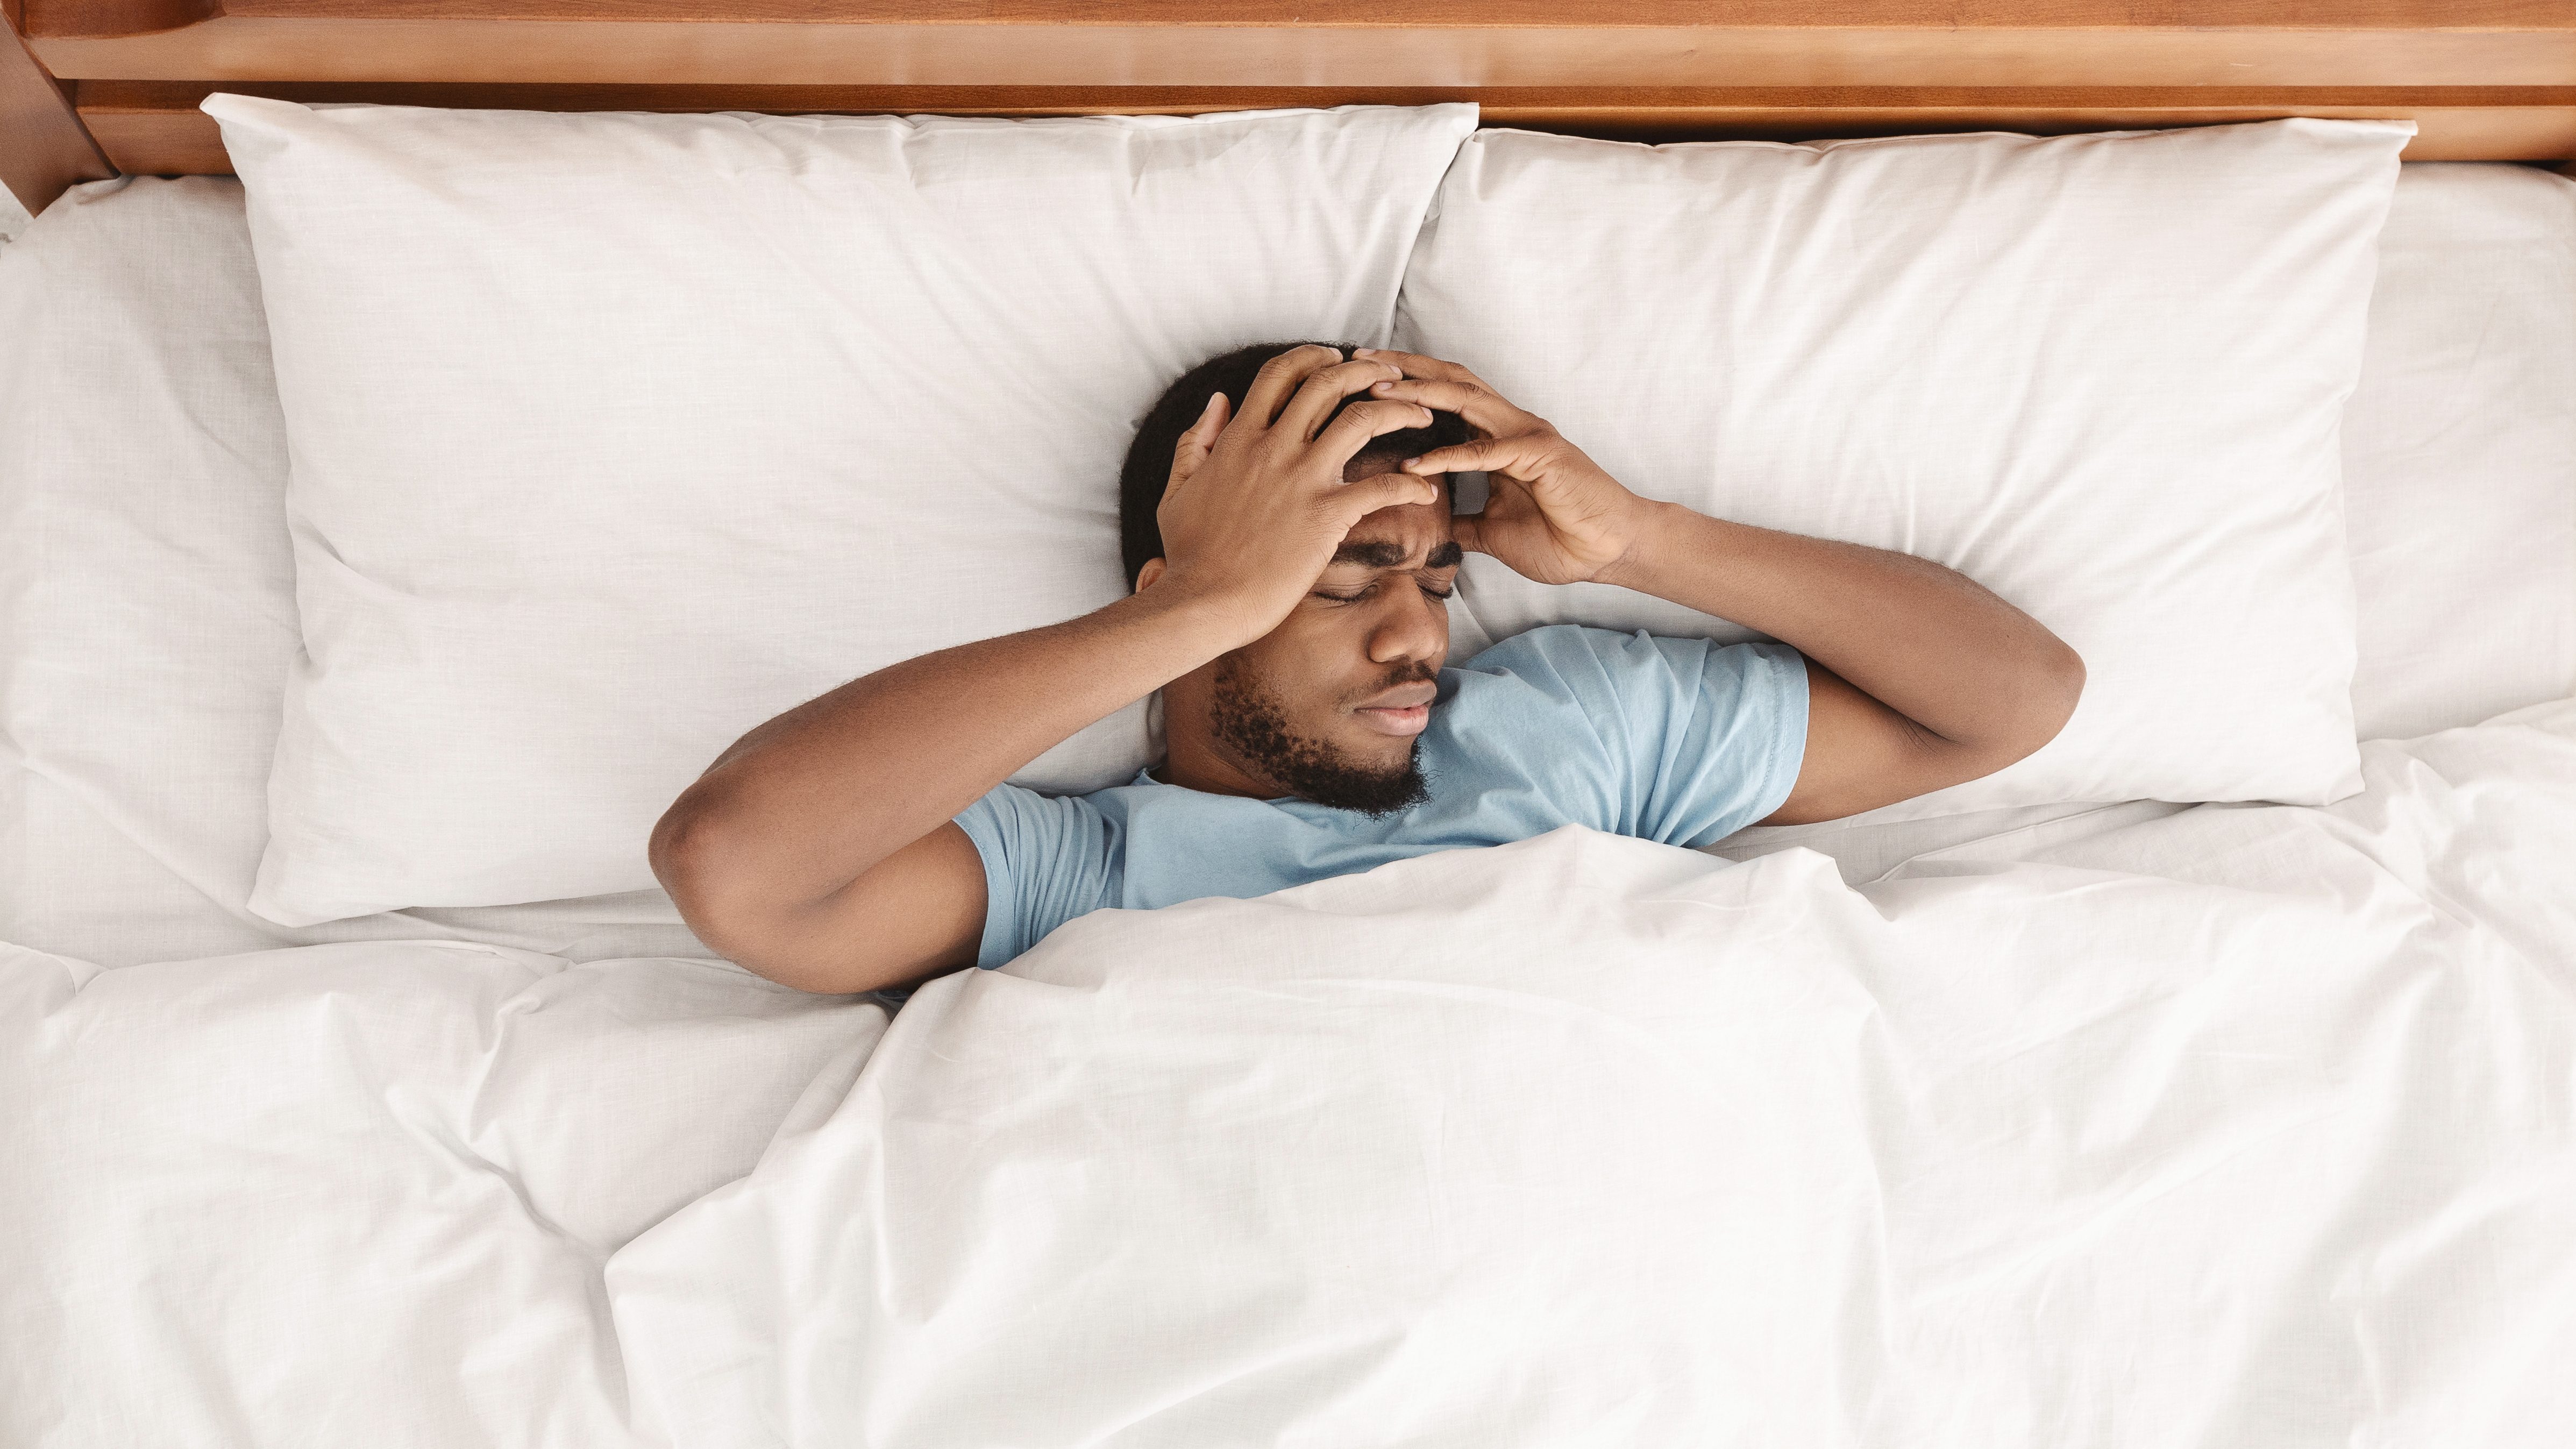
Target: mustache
<point>1403,675</point>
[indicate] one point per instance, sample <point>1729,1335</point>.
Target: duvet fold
<point>1587,1141</point>
<point>2247,1126</point>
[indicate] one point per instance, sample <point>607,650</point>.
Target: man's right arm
<point>821,850</point>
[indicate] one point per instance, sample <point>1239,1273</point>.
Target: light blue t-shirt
<point>1678,740</point>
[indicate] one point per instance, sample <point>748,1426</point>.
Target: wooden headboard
<point>89,88</point>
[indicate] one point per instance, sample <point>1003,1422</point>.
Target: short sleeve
<point>1697,739</point>
<point>1047,859</point>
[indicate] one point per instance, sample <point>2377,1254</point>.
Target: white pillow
<point>2101,375</point>
<point>146,611</point>
<point>2460,453</point>
<point>614,435</point>
<point>147,601</point>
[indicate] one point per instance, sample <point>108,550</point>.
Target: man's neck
<point>1193,763</point>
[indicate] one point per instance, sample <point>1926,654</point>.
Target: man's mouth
<point>1400,712</point>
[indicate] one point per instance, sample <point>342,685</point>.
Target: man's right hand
<point>1256,503</point>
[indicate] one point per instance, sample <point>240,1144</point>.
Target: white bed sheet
<point>2247,1126</point>
<point>360,1194</point>
<point>146,594</point>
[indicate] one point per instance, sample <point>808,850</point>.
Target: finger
<point>1343,438</point>
<point>1422,365</point>
<point>1356,501</point>
<point>1483,455</point>
<point>1280,378</point>
<point>1469,531</point>
<point>1324,391</point>
<point>1212,421</point>
<point>1193,448</point>
<point>1479,405</point>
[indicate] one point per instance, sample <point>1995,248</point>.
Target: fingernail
<point>1362,351</point>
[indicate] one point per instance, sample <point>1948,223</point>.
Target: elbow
<point>700,868</point>
<point>686,854</point>
<point>2033,703</point>
<point>704,861</point>
<point>2049,694</point>
<point>2065,684</point>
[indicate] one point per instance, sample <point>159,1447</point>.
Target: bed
<point>2105,1121</point>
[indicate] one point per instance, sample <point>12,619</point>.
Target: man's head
<point>1327,706</point>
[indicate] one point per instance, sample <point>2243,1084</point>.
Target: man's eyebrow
<point>1374,555</point>
<point>1383,555</point>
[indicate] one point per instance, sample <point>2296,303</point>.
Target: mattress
<point>142,471</point>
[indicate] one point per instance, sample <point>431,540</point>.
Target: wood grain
<point>322,40</point>
<point>43,148</point>
<point>2483,79</point>
<point>114,17</point>
<point>154,127</point>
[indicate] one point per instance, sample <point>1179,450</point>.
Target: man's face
<point>1329,705</point>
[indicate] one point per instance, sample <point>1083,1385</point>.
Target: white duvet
<point>2248,1126</point>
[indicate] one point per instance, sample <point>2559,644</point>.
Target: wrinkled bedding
<point>2236,1126</point>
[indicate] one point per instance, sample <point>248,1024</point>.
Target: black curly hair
<point>1149,458</point>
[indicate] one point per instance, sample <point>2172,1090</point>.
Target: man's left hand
<point>1552,514</point>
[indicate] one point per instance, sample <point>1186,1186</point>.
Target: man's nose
<point>1416,626</point>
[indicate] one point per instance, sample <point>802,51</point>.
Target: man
<point>1289,573</point>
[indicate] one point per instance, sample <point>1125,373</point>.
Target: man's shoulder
<point>1550,644</point>
<point>1580,653</point>
<point>1553,668</point>
<point>1612,669</point>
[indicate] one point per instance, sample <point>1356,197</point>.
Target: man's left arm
<point>1918,678</point>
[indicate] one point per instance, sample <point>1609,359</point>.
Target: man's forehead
<point>1415,535</point>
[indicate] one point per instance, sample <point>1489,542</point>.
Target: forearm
<point>811,800</point>
<point>1922,639</point>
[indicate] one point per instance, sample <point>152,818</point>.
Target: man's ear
<point>1145,576</point>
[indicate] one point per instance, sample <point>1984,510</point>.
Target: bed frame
<point>92,88</point>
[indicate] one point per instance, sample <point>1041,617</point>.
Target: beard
<point>1249,720</point>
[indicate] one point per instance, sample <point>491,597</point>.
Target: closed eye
<point>1429,591</point>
